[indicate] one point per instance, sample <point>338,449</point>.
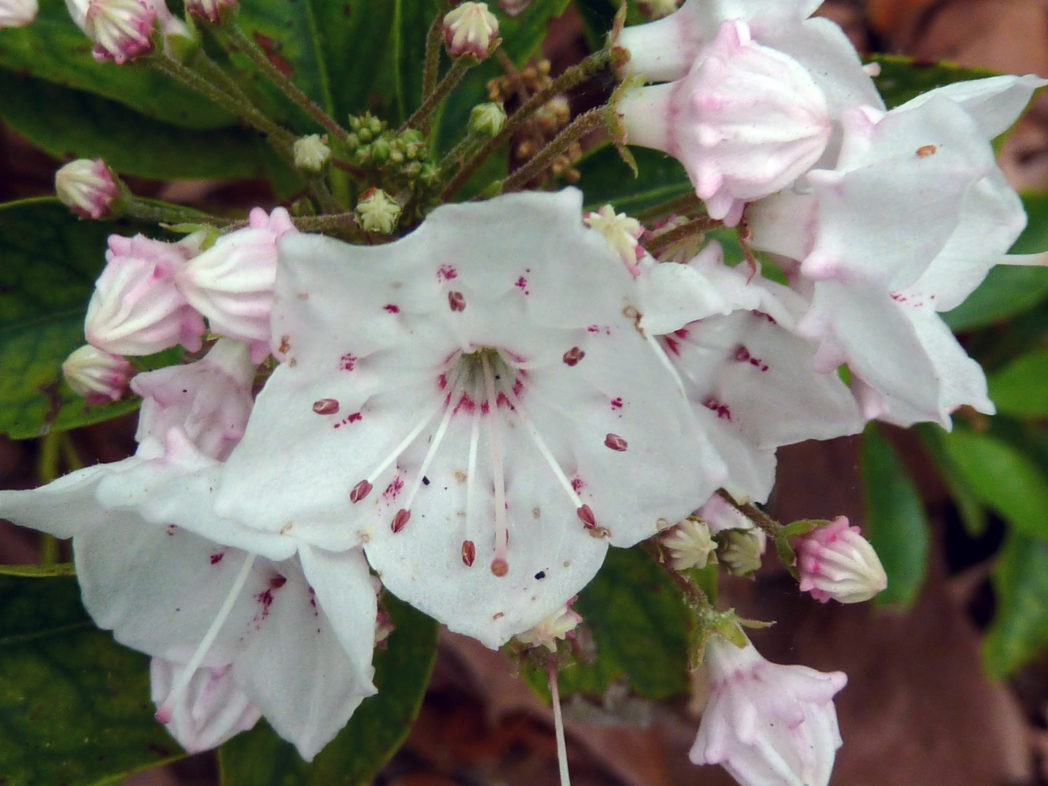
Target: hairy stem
<point>541,161</point>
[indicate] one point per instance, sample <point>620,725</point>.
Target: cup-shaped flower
<point>478,404</point>
<point>470,29</point>
<point>746,121</point>
<point>836,561</point>
<point>231,283</point>
<point>136,308</point>
<point>87,187</point>
<point>17,13</point>
<point>767,724</point>
<point>97,375</point>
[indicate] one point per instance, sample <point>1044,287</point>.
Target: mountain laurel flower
<point>622,233</point>
<point>557,625</point>
<point>378,212</point>
<point>836,561</point>
<point>136,308</point>
<point>767,724</point>
<point>311,153</point>
<point>690,544</point>
<point>746,121</point>
<point>469,30</point>
<point>17,13</point>
<point>97,375</point>
<point>231,283</point>
<point>87,187</point>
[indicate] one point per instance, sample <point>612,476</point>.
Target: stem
<point>542,160</point>
<point>754,514</point>
<point>341,224</point>
<point>254,52</point>
<point>684,231</point>
<point>685,203</point>
<point>558,725</point>
<point>161,213</point>
<point>434,39</point>
<point>454,75</point>
<point>693,595</point>
<point>572,76</point>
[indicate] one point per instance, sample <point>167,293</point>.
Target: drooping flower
<point>17,13</point>
<point>476,405</point>
<point>231,283</point>
<point>96,375</point>
<point>746,121</point>
<point>767,724</point>
<point>136,308</point>
<point>836,561</point>
<point>87,187</point>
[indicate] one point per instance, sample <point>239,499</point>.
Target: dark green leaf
<point>1002,477</point>
<point>1034,238</point>
<point>903,78</point>
<point>973,514</point>
<point>74,706</point>
<point>376,730</point>
<point>608,179</point>
<point>1007,291</point>
<point>895,521</point>
<point>51,260</point>
<point>38,571</point>
<point>1021,387</point>
<point>1020,629</point>
<point>410,28</point>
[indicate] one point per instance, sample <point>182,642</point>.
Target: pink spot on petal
<point>616,403</point>
<point>522,284</point>
<point>577,484</point>
<point>394,488</point>
<point>722,410</point>
<point>347,362</point>
<point>391,308</point>
<point>217,558</point>
<point>446,273</point>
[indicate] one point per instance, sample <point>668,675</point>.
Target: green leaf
<point>973,514</point>
<point>54,49</point>
<point>410,28</point>
<point>1020,628</point>
<point>376,730</point>
<point>1002,477</point>
<point>51,260</point>
<point>129,142</point>
<point>896,524</point>
<point>1021,387</point>
<point>608,179</point>
<point>38,571</point>
<point>74,706</point>
<point>1007,291</point>
<point>641,630</point>
<point>1034,238</point>
<point>903,78</point>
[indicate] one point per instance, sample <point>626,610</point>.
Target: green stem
<point>434,40</point>
<point>694,227</point>
<point>53,447</point>
<point>420,118</point>
<point>254,53</point>
<point>572,76</point>
<point>693,594</point>
<point>754,514</point>
<point>160,213</point>
<point>541,161</point>
<point>342,224</point>
<point>681,205</point>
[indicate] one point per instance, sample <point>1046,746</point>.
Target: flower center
<point>463,381</point>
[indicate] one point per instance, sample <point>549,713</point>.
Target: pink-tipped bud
<point>470,29</point>
<point>136,308</point>
<point>96,375</point>
<point>211,10</point>
<point>87,187</point>
<point>17,13</point>
<point>121,29</point>
<point>835,561</point>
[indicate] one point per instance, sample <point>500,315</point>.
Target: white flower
<point>96,375</point>
<point>231,283</point>
<point>476,405</point>
<point>766,724</point>
<point>17,13</point>
<point>470,29</point>
<point>836,561</point>
<point>123,29</point>
<point>86,187</point>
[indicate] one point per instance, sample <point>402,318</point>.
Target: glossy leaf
<point>973,515</point>
<point>1021,387</point>
<point>74,705</point>
<point>896,524</point>
<point>376,730</point>
<point>1002,477</point>
<point>903,78</point>
<point>1020,629</point>
<point>51,261</point>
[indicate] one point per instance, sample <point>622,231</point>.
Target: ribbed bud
<point>836,561</point>
<point>470,29</point>
<point>311,153</point>
<point>97,375</point>
<point>378,212</point>
<point>87,187</point>
<point>487,119</point>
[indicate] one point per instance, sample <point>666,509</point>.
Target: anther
<point>400,520</point>
<point>615,442</point>
<point>469,552</point>
<point>585,514</point>
<point>457,301</point>
<point>926,150</point>
<point>361,490</point>
<point>325,406</point>
<point>573,356</point>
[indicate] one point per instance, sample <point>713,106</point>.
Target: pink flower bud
<point>96,375</point>
<point>211,10</point>
<point>121,29</point>
<point>232,282</point>
<point>835,561</point>
<point>17,13</point>
<point>87,187</point>
<point>746,121</point>
<point>136,308</point>
<point>470,29</point>
<point>766,723</point>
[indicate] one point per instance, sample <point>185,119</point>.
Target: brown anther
<point>615,442</point>
<point>361,490</point>
<point>457,301</point>
<point>325,406</point>
<point>469,552</point>
<point>573,356</point>
<point>585,514</point>
<point>926,150</point>
<point>599,532</point>
<point>499,567</point>
<point>400,520</point>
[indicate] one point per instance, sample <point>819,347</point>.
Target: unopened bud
<point>17,13</point>
<point>487,119</point>
<point>689,544</point>
<point>556,626</point>
<point>121,29</point>
<point>211,10</point>
<point>378,212</point>
<point>470,29</point>
<point>97,375</point>
<point>740,551</point>
<point>87,187</point>
<point>836,561</point>
<point>311,153</point>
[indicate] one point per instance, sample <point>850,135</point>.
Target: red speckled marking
<point>217,558</point>
<point>393,489</point>
<point>391,308</point>
<point>446,273</point>
<point>616,403</point>
<point>723,410</point>
<point>347,362</point>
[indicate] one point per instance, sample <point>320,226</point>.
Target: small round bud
<point>381,150</point>
<point>378,212</point>
<point>689,544</point>
<point>836,561</point>
<point>487,119</point>
<point>87,187</point>
<point>96,375</point>
<point>311,153</point>
<point>211,10</point>
<point>17,13</point>
<point>470,29</point>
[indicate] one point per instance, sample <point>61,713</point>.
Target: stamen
<point>442,429</point>
<point>471,467</point>
<point>395,454</point>
<point>615,442</point>
<point>163,714</point>
<point>543,449</point>
<point>400,520</point>
<point>585,514</point>
<point>469,552</point>
<point>361,490</point>
<point>499,565</point>
<point>325,406</point>
<point>664,359</point>
<point>558,725</point>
